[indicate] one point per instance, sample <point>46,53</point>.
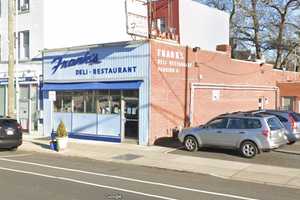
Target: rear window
<point>244,123</point>
<point>8,122</point>
<point>274,124</point>
<point>296,116</point>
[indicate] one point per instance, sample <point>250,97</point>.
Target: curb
<point>287,151</point>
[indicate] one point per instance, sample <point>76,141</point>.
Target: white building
<point>48,24</point>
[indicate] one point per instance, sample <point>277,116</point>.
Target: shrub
<point>61,130</point>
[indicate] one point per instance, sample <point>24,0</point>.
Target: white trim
<point>225,87</point>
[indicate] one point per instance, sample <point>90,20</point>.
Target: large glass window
<point>99,101</point>
<point>78,101</point>
<point>90,102</point>
<point>23,5</point>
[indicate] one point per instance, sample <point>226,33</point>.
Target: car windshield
<point>274,123</point>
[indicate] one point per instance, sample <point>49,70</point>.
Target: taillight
<point>266,133</point>
<point>292,121</point>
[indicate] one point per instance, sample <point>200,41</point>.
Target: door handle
<point>219,131</point>
<point>242,132</point>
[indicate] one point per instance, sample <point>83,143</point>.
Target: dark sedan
<point>10,134</point>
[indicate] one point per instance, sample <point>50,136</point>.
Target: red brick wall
<point>230,101</point>
<point>170,85</point>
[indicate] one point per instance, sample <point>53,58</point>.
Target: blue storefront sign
<point>90,84</point>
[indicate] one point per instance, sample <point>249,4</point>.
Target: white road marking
<point>15,156</point>
<point>132,180</point>
<point>87,183</point>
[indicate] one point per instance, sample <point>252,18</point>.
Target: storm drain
<point>127,157</point>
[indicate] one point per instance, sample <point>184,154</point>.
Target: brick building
<point>189,86</point>
<point>143,90</point>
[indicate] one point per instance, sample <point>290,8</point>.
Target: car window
<point>274,123</point>
<point>282,119</point>
<point>252,123</point>
<point>296,116</point>
<point>218,123</point>
<point>236,123</point>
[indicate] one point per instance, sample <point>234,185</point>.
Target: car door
<point>234,131</point>
<point>210,135</point>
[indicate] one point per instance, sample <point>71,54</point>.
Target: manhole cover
<point>127,157</point>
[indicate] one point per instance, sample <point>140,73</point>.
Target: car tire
<point>248,149</point>
<point>191,143</point>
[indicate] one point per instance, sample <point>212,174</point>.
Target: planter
<point>61,143</point>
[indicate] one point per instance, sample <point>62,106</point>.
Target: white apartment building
<point>48,24</point>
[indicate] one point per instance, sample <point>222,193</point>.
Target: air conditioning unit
<point>25,7</point>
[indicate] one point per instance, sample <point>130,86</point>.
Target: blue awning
<point>126,85</point>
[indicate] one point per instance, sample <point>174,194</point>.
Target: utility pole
<point>11,58</point>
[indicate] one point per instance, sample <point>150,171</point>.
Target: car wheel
<point>191,143</point>
<point>248,149</point>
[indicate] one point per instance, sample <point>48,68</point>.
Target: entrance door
<point>2,101</point>
<point>131,113</point>
<point>24,107</point>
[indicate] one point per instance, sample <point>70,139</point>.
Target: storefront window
<point>115,104</point>
<point>78,100</point>
<point>90,102</point>
<point>131,93</point>
<point>67,103</point>
<point>103,104</point>
<point>58,102</point>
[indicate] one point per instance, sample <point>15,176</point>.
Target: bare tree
<point>284,39</point>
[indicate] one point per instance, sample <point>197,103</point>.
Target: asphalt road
<point>33,176</point>
<point>273,158</point>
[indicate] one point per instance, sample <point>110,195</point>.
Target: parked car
<point>10,133</point>
<point>291,121</point>
<point>248,133</point>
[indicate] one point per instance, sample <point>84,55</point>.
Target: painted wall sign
<point>170,61</point>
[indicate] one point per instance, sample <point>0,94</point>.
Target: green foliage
<point>61,130</point>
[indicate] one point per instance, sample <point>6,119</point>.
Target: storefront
<point>27,101</point>
<point>99,92</point>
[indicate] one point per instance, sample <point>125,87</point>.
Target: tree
<point>284,25</point>
<point>269,27</point>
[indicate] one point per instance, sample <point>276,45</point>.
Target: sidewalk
<point>154,156</point>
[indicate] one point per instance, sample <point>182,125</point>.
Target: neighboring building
<point>143,90</point>
<point>49,24</point>
<point>289,94</point>
<point>190,23</point>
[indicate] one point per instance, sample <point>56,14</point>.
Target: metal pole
<point>11,59</point>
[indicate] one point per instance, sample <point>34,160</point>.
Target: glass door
<point>24,107</point>
<point>131,114</point>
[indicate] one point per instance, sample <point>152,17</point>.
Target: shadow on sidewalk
<point>45,146</point>
<point>169,142</point>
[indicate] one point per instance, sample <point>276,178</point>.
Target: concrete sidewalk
<point>154,156</point>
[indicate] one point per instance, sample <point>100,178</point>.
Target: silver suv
<point>291,121</point>
<point>248,133</point>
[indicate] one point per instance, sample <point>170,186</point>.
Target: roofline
<point>111,44</point>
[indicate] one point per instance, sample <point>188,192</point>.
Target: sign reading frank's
<point>61,63</point>
<point>113,63</point>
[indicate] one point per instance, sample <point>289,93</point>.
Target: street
<point>28,175</point>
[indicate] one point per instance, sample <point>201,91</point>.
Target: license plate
<point>9,132</point>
